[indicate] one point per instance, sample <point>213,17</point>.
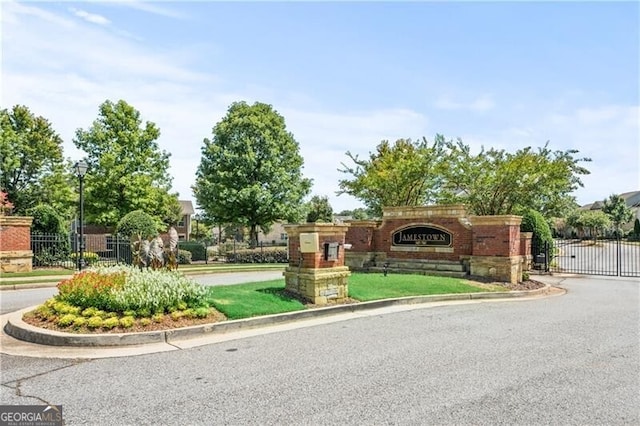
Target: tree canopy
<point>127,169</point>
<point>250,171</point>
<point>616,208</point>
<point>496,182</point>
<point>491,182</point>
<point>589,222</point>
<point>405,173</point>
<point>319,210</point>
<point>32,167</point>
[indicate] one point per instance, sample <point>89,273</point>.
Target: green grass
<point>264,298</point>
<point>365,287</point>
<point>37,273</point>
<point>252,299</point>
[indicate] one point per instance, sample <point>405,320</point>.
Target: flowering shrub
<point>91,289</point>
<point>129,290</point>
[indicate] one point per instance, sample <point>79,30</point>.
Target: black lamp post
<point>81,169</point>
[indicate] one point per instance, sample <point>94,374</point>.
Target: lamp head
<point>80,168</point>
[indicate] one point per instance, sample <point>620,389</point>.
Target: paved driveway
<point>566,360</point>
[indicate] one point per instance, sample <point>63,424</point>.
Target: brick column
<point>317,273</point>
<point>525,250</point>
<point>15,244</point>
<point>496,247</point>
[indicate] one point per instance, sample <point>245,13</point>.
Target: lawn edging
<point>17,328</point>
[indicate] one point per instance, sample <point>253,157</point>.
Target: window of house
<point>181,223</point>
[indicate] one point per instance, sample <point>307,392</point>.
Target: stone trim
<point>321,228</point>
<point>410,212</point>
<point>16,221</point>
<point>503,220</point>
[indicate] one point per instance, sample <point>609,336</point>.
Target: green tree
<point>127,169</point>
<point>46,220</point>
<point>616,208</point>
<point>250,171</point>
<point>32,167</point>
<point>138,224</point>
<point>591,223</point>
<point>319,209</point>
<point>496,182</point>
<point>405,173</point>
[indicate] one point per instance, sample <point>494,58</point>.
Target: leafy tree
<point>138,223</point>
<point>616,208</point>
<point>250,171</point>
<point>357,213</point>
<point>636,228</point>
<point>32,168</point>
<point>319,209</point>
<point>127,169</point>
<point>406,173</point>
<point>589,222</point>
<point>495,182</point>
<point>46,220</point>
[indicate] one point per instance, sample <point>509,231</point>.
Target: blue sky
<point>344,75</point>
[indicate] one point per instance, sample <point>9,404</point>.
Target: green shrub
<point>62,308</point>
<point>137,223</point>
<point>89,312</point>
<point>90,258</point>
<point>157,317</point>
<point>184,257</point>
<point>66,320</point>
<point>278,255</point>
<point>202,312</point>
<point>79,322</point>
<point>176,315</point>
<point>129,313</point>
<point>198,250</point>
<point>94,322</point>
<point>145,322</point>
<point>533,221</point>
<point>110,323</point>
<point>46,220</point>
<point>189,313</point>
<point>127,322</point>
<point>143,313</point>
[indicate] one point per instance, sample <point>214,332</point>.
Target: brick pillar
<point>525,250</point>
<point>316,270</point>
<point>496,247</point>
<point>15,244</point>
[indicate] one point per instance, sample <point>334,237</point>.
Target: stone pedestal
<point>15,244</point>
<point>316,270</point>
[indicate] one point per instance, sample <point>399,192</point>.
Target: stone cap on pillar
<point>502,220</point>
<point>320,228</point>
<point>421,212</point>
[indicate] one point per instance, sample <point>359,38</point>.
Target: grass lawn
<point>365,287</point>
<point>263,298</point>
<point>252,299</point>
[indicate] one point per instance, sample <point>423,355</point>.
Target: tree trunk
<point>253,236</point>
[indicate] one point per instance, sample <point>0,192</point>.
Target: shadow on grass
<point>278,292</point>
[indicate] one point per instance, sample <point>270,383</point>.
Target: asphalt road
<point>566,360</point>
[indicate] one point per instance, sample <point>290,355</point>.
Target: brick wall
<point>496,235</point>
<point>15,233</point>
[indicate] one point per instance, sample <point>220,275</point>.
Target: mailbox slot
<point>331,251</point>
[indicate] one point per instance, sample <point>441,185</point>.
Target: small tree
<point>46,220</point>
<point>593,222</point>
<point>616,208</point>
<point>319,210</point>
<point>636,228</point>
<point>137,224</point>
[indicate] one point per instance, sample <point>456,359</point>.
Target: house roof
<point>632,199</point>
<point>187,207</point>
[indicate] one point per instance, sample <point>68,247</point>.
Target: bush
<point>127,322</point>
<point>137,223</point>
<point>184,257</point>
<point>91,289</point>
<point>46,220</point>
<point>110,323</point>
<point>90,258</point>
<point>198,251</point>
<point>94,322</point>
<point>533,221</point>
<point>258,256</point>
<point>66,320</point>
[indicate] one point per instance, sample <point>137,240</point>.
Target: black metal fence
<point>63,250</point>
<point>602,256</point>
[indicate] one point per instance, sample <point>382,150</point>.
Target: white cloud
<point>90,17</point>
<point>480,104</point>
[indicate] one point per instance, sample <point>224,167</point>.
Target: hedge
<point>256,256</point>
<point>198,250</point>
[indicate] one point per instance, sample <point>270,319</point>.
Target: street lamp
<point>81,169</point>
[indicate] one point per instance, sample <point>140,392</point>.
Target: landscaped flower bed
<point>122,299</point>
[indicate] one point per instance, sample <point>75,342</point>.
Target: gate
<point>604,256</point>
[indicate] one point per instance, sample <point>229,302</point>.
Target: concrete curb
<point>20,330</point>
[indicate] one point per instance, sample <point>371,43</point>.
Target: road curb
<point>20,330</point>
